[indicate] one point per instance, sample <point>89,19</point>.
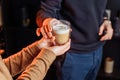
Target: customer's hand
<point>106,31</point>
<point>44,43</point>
<point>46,28</point>
<point>61,49</point>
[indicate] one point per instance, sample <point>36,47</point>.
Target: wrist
<point>39,45</point>
<point>47,20</point>
<point>106,19</point>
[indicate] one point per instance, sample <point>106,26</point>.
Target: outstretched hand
<point>60,49</point>
<point>57,49</point>
<point>44,43</point>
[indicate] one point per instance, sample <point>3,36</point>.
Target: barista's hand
<point>46,28</point>
<point>106,31</point>
<point>60,49</point>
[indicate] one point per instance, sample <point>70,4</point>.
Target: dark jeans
<point>82,66</point>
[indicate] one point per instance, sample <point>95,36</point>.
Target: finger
<point>53,40</point>
<point>101,29</point>
<point>48,32</point>
<point>69,42</point>
<point>43,32</point>
<point>38,31</point>
<point>107,36</point>
<point>103,38</point>
<point>110,31</point>
<point>66,46</point>
<point>49,27</point>
<point>70,30</point>
<point>110,36</point>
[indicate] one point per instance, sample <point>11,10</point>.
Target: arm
<point>49,9</point>
<point>40,65</point>
<point>48,12</point>
<point>106,30</point>
<point>18,62</point>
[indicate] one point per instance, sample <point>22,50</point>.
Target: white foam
<point>61,29</point>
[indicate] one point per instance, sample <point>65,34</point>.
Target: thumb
<point>38,31</point>
<point>101,29</point>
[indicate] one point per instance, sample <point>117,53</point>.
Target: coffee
<point>61,33</point>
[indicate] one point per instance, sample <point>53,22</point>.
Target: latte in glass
<point>61,33</point>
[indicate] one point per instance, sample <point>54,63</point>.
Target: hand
<point>46,28</point>
<point>61,49</point>
<point>107,28</point>
<point>44,43</point>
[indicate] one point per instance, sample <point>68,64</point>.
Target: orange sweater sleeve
<point>18,62</point>
<point>39,67</point>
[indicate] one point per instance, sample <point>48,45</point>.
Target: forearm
<point>48,9</point>
<point>18,62</point>
<point>39,67</point>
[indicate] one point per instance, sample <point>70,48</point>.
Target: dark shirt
<point>85,16</point>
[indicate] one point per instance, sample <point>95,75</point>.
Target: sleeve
<point>39,67</point>
<point>105,14</point>
<point>18,62</point>
<point>48,9</point>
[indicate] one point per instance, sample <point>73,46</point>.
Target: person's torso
<point>85,16</point>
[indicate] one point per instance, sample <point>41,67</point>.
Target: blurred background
<point>18,26</point>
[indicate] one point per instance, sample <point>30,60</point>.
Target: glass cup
<point>109,65</point>
<point>61,31</point>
